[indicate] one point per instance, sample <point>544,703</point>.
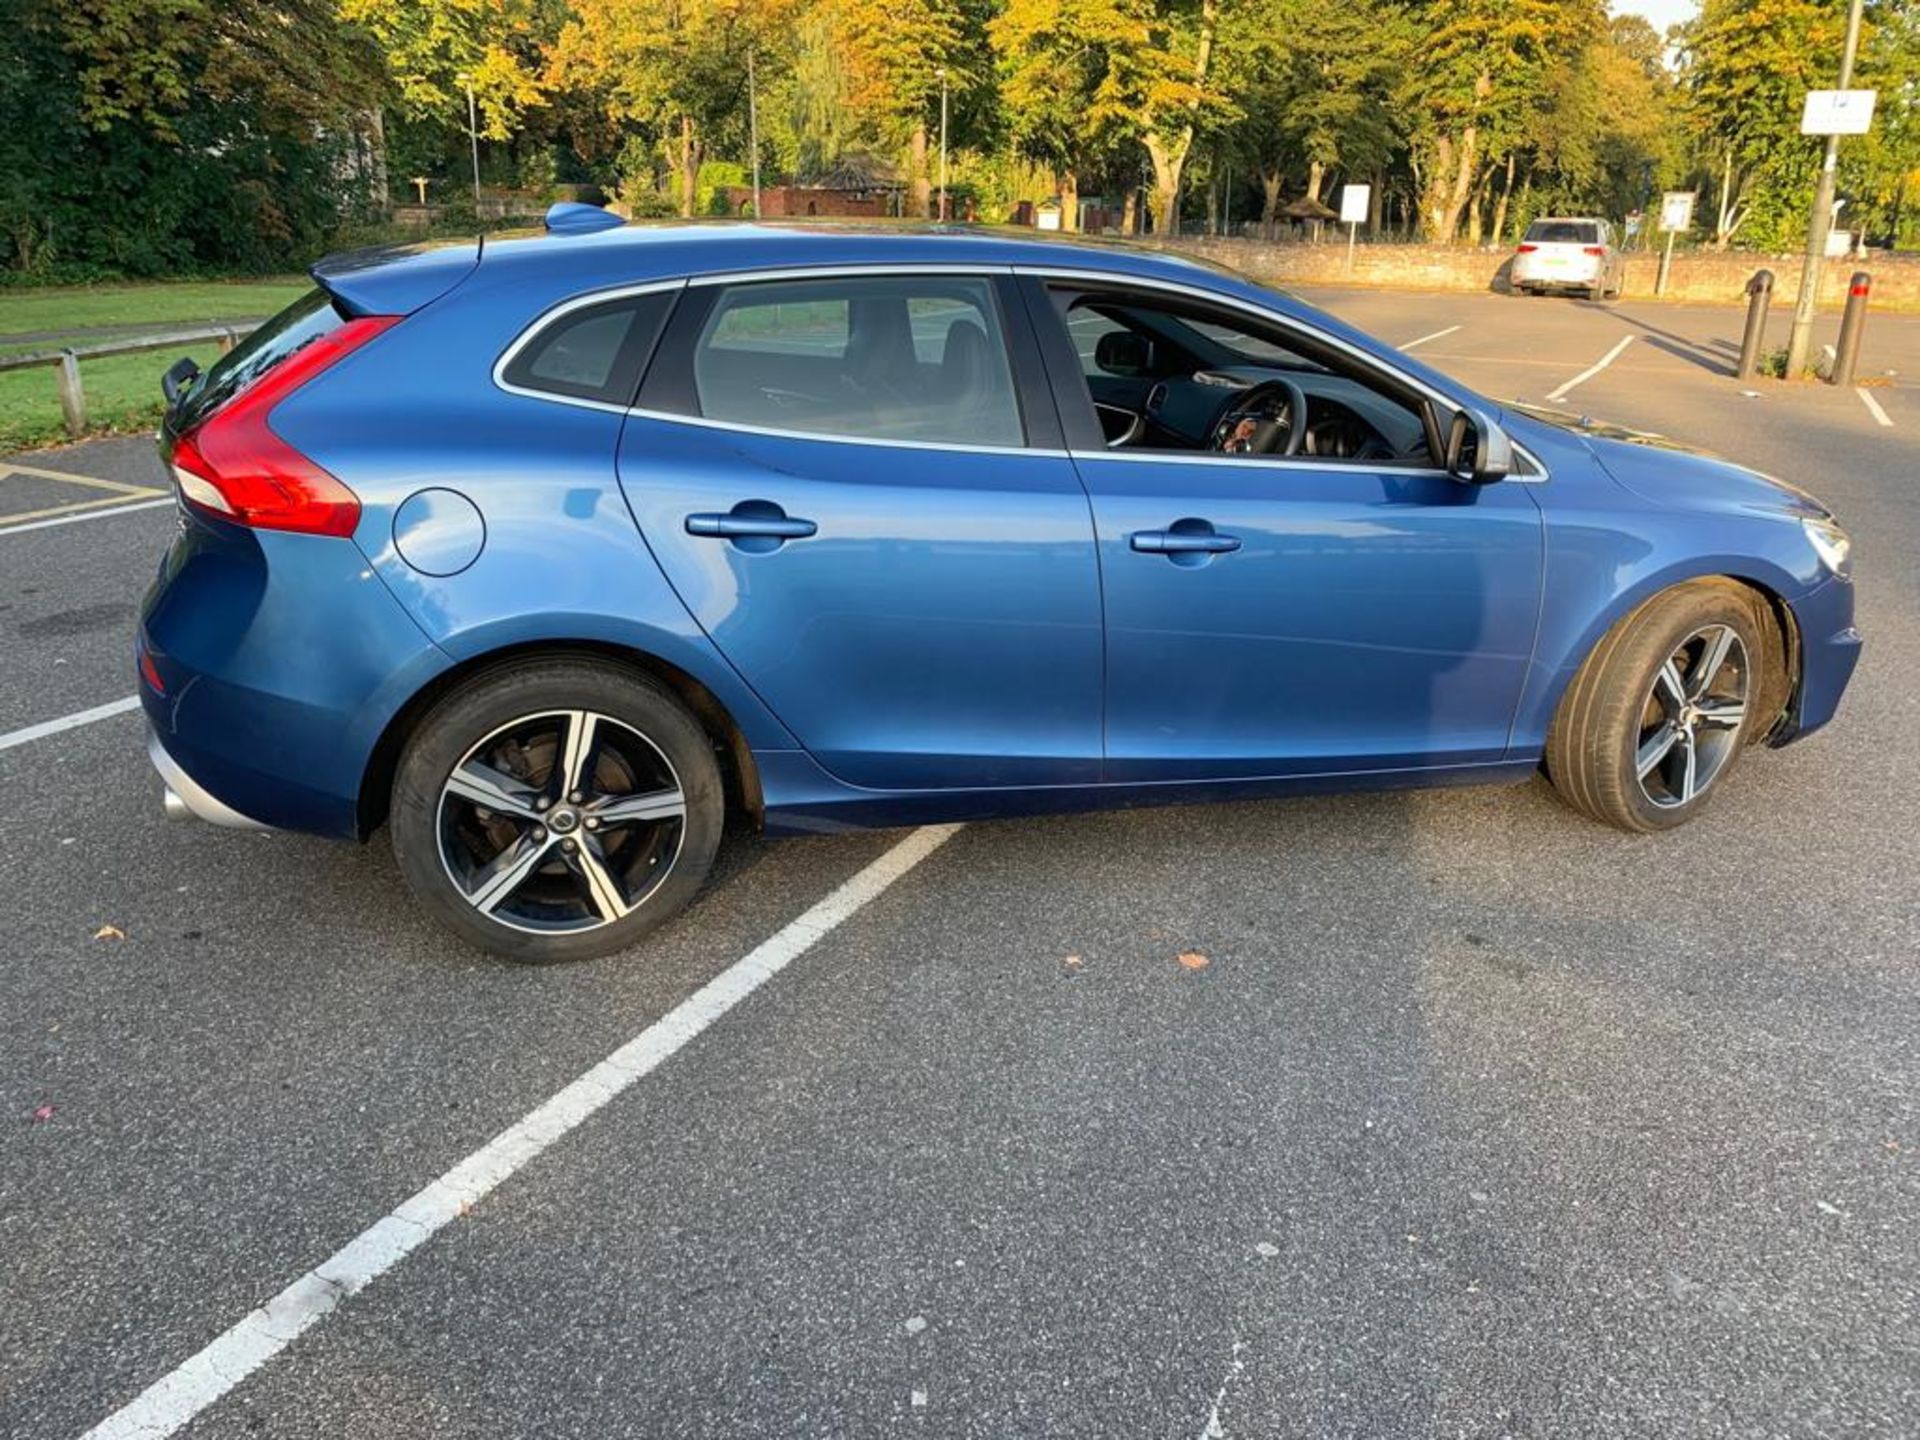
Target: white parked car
<point>1576,254</point>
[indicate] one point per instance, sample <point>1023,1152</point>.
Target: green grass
<point>182,302</point>
<point>123,393</point>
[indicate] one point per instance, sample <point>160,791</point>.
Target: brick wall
<point>1699,275</point>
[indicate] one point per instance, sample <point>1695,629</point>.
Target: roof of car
<point>659,250</point>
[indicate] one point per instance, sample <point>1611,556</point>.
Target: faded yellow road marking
<point>122,493</point>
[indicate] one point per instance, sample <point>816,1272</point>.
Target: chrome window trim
<point>538,326</point>
<point>830,437</point>
<point>1046,272</point>
<point>1285,322</point>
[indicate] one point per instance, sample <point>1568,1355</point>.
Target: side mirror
<point>1478,451</point>
<point>1123,352</point>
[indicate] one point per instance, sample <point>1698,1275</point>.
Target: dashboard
<point>1345,419</point>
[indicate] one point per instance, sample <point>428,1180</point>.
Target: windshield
<point>302,322</point>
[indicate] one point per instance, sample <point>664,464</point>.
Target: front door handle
<point>755,526</point>
<point>1185,542</point>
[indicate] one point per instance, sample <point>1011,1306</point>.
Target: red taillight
<point>1593,250</point>
<point>150,672</point>
<point>235,466</point>
<point>1526,249</point>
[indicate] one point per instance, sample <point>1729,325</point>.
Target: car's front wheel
<point>556,809</point>
<point>1658,715</point>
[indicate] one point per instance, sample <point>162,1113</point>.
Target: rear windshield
<point>302,322</point>
<point>1564,232</point>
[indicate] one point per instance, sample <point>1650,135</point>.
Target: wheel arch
<point>738,768</point>
<point>1768,587</point>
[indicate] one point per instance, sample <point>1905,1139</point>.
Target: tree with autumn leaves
<point>151,136</point>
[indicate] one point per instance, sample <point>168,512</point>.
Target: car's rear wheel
<point>556,809</point>
<point>1659,713</point>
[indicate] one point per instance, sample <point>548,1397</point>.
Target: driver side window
<point>1164,374</point>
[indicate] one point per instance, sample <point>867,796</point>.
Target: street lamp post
<point>473,137</point>
<point>1800,339</point>
<point>753,132</point>
<point>943,142</point>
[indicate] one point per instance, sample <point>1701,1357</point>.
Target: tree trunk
<point>1168,149</point>
<point>1500,206</point>
<point>1130,211</point>
<point>1376,203</point>
<point>920,187</point>
<point>1269,200</point>
<point>1520,210</point>
<point>1316,175</point>
<point>1449,184</point>
<point>1476,209</point>
<point>689,165</point>
<point>1069,200</point>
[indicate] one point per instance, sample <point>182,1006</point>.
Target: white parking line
<point>1592,370</point>
<point>179,1396</point>
<point>1873,406</point>
<point>1434,336</point>
<point>107,508</point>
<point>68,722</point>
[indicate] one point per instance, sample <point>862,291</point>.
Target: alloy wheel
<point>1691,721</point>
<point>560,822</point>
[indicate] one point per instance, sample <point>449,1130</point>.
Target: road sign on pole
<point>1676,214</point>
<point>1837,112</point>
<point>1676,210</point>
<point>1800,338</point>
<point>1353,212</point>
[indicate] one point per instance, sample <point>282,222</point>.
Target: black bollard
<point>1846,352</point>
<point>1759,296</point>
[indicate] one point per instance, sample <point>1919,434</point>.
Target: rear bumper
<point>187,799</point>
<point>280,659</point>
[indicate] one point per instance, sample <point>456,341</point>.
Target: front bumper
<point>1829,652</point>
<point>186,799</point>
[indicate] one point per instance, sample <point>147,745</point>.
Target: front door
<point>835,474</point>
<point>1346,607</point>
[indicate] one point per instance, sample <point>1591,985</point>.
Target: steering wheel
<point>1269,418</point>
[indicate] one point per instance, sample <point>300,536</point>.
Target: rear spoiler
<point>395,279</point>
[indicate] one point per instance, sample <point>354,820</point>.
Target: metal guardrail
<point>73,396</point>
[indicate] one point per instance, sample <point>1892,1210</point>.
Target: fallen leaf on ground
<point>1194,960</point>
<point>45,1112</point>
<point>109,932</point>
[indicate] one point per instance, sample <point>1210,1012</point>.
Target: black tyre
<point>556,809</point>
<point>1659,713</point>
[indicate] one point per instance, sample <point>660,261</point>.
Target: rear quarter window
<point>596,352</point>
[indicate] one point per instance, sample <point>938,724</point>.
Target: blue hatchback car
<point>548,552</point>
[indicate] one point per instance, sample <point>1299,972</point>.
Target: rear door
<point>856,483</point>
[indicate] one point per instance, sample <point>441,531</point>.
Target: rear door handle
<point>755,526</point>
<point>1184,537</point>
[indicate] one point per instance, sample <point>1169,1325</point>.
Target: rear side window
<point>597,352</point>
<point>1563,232</point>
<point>920,358</point>
<point>301,323</point>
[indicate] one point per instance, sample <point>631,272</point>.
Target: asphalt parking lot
<point>1477,1119</point>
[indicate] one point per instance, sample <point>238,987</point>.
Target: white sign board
<point>1353,203</point>
<point>1837,112</point>
<point>1676,210</point>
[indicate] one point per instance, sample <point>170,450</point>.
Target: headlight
<point>1829,542</point>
